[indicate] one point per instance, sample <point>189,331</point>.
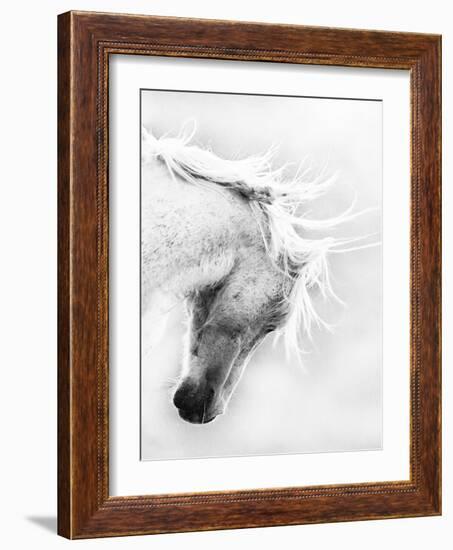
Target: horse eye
<point>269,328</point>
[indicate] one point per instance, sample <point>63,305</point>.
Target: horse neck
<point>191,235</point>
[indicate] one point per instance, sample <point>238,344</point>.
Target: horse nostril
<point>180,398</point>
<point>193,398</point>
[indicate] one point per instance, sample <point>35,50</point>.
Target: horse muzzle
<point>196,417</point>
<point>195,404</point>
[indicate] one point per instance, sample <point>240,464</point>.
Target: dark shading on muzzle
<point>194,402</point>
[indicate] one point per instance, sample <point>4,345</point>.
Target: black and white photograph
<point>261,274</point>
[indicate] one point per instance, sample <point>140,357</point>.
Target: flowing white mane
<point>280,200</point>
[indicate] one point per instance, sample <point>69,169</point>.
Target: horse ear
<point>147,133</point>
<point>149,144</point>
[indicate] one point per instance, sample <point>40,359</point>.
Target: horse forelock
<point>278,201</point>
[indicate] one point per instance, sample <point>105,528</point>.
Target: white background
<point>28,286</point>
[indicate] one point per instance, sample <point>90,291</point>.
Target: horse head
<point>226,324</point>
<point>256,277</point>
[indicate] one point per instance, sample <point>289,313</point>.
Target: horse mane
<point>303,260</point>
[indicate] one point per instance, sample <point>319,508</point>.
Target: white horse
<point>229,238</point>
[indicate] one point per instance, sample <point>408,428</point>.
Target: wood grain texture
<point>64,368</point>
<point>86,40</point>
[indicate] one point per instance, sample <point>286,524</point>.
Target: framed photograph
<point>249,275</point>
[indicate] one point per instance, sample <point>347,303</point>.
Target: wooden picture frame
<point>85,42</point>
